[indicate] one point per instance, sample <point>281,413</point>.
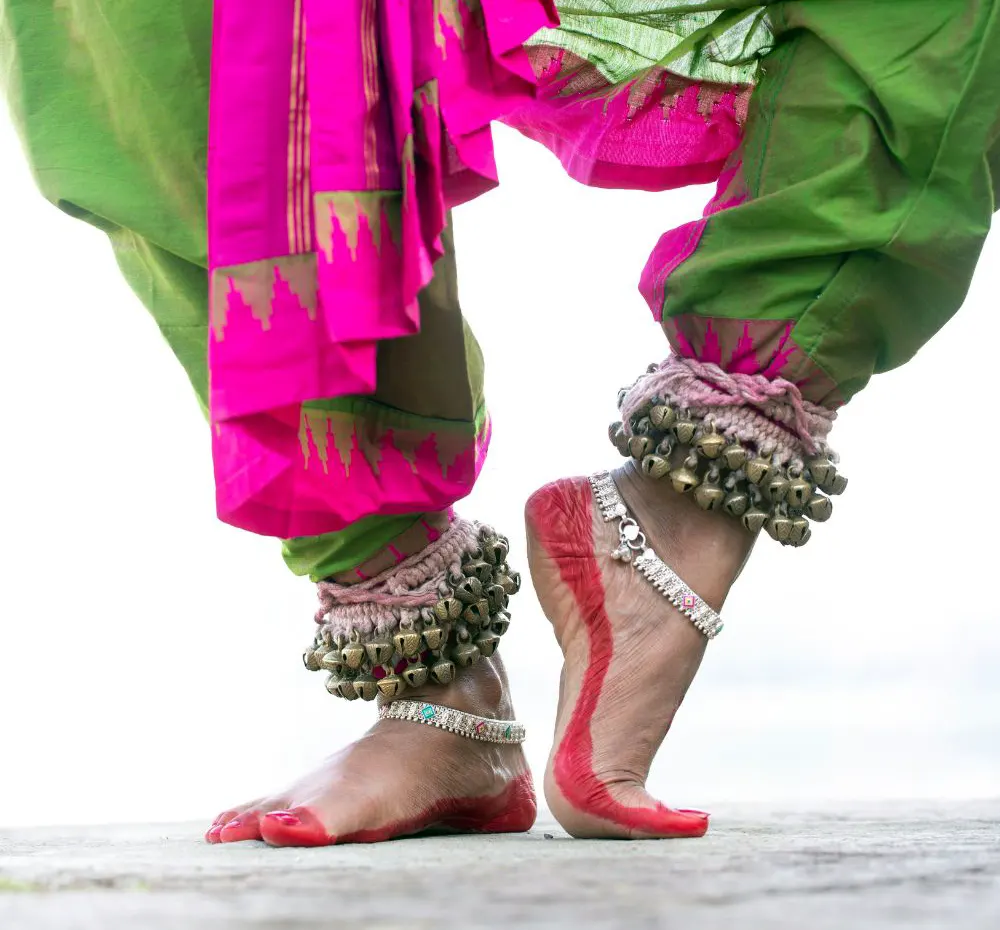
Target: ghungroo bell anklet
<point>741,444</point>
<point>455,721</point>
<point>632,549</point>
<point>437,611</point>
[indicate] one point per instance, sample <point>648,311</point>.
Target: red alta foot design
<point>512,811</point>
<point>561,516</point>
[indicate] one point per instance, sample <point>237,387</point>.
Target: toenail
<point>235,823</point>
<point>289,820</point>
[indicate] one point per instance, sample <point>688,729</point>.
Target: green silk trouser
<point>865,187</point>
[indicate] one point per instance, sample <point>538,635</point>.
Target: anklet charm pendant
<point>632,548</point>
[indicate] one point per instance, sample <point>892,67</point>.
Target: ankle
<point>480,689</point>
<point>711,550</point>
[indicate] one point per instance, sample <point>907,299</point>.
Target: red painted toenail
<point>290,820</point>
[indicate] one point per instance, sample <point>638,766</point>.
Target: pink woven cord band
<point>766,411</point>
<point>378,603</point>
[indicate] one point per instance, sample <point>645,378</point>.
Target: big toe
<point>298,826</point>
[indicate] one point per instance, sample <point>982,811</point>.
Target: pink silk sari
<point>340,135</point>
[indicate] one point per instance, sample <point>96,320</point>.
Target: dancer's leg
<point>864,197</point>
<point>111,101</point>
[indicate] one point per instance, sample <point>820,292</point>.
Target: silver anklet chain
<point>632,548</point>
<point>470,726</point>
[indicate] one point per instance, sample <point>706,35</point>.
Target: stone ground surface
<point>912,866</point>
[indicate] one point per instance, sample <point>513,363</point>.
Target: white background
<point>150,656</point>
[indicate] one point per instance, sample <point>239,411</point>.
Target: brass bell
<point>665,447</point>
<point>321,649</point>
<point>655,466</point>
<point>709,496</point>
<point>621,442</point>
<point>799,492</point>
<point>684,431</point>
<point>407,642</point>
<point>379,652</point>
<point>776,488</point>
<point>346,689</point>
<point>469,591</point>
<point>332,662</point>
<point>641,425</point>
<point>501,623</point>
<point>310,661</point>
<point>662,417</point>
<point>416,675</point>
<point>753,519</point>
<point>477,614</point>
<point>366,687</point>
<point>480,569</point>
<point>736,503</point>
<point>797,534</point>
<point>497,597</point>
<point>805,537</point>
<point>779,528</point>
<point>487,644</point>
<point>640,446</point>
<point>515,583</point>
<point>683,479</point>
<point>838,485</point>
<point>613,430</point>
<point>443,671</point>
<point>822,471</point>
<point>448,608</point>
<point>496,550</point>
<point>710,444</point>
<point>758,469</point>
<point>819,508</point>
<point>433,636</point>
<point>622,394</point>
<point>465,654</point>
<point>391,686</point>
<point>333,684</point>
<point>353,655</point>
<point>735,456</point>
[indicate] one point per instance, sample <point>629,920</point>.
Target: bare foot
<point>401,779</point>
<point>629,656</point>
